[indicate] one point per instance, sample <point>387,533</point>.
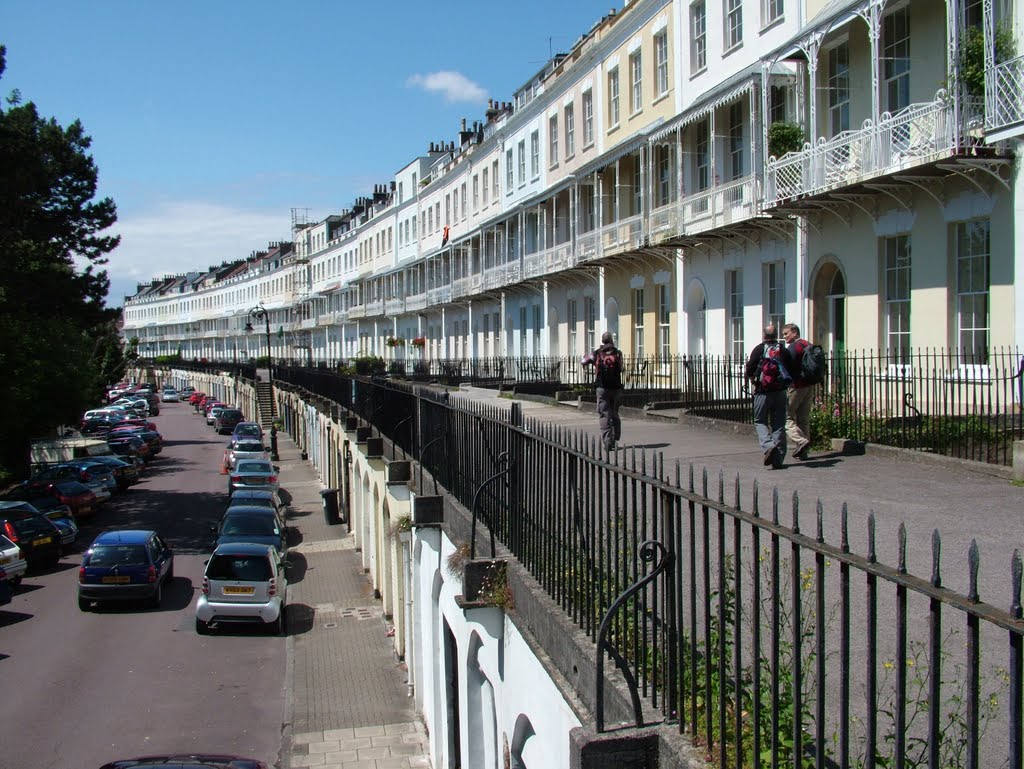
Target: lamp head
<point>248,327</point>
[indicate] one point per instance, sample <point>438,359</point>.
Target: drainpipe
<point>406,539</point>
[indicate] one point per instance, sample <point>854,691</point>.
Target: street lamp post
<point>258,313</point>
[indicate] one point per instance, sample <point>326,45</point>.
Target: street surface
<point>80,689</point>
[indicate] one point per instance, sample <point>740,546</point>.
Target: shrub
<point>785,137</point>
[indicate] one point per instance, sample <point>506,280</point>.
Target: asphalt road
<point>79,689</point>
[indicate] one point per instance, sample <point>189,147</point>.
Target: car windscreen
<point>254,446</point>
<point>255,467</point>
<point>118,555</point>
<point>246,568</point>
<point>230,414</point>
<point>247,429</point>
<point>249,526</point>
<point>71,488</point>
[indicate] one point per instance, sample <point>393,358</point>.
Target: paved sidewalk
<point>348,704</point>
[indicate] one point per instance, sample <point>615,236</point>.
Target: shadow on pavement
<point>300,618</point>
<point>13,617</point>
<point>296,568</point>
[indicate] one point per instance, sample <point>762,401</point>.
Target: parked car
<point>261,508</point>
<point>247,430</point>
<point>253,473</point>
<point>214,411</point>
<point>96,475</point>
<point>62,518</point>
<point>129,445</point>
<point>244,449</point>
<point>278,538</point>
<point>33,532</point>
<point>186,761</point>
<point>6,589</point>
<point>43,502</point>
<point>226,420</point>
<point>98,470</point>
<point>169,395</point>
<point>243,583</point>
<point>80,498</point>
<point>252,524</point>
<point>125,565</point>
<point>125,473</point>
<point>12,561</point>
<point>260,498</point>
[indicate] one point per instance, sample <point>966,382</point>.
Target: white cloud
<point>454,85</point>
<point>186,236</point>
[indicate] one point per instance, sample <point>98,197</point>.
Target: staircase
<point>265,402</point>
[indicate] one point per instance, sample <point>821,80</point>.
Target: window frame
<point>588,118</point>
<point>732,25</point>
<point>698,37</point>
<point>661,85</point>
<point>613,98</point>
<point>636,82</point>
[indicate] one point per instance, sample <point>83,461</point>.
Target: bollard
<point>273,444</point>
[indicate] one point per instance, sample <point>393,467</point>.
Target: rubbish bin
<point>329,497</point>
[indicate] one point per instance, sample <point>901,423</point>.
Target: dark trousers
<point>770,421</point>
<point>608,415</point>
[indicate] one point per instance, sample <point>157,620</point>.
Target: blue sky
<point>212,120</point>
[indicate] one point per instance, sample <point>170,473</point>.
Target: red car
<point>76,496</point>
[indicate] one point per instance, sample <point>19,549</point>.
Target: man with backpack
<point>799,395</point>
<point>768,368</point>
<point>608,381</point>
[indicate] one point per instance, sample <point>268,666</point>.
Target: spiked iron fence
<point>768,646</point>
<point>937,401</point>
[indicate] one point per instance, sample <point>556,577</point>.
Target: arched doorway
<point>828,308</point>
<point>696,319</point>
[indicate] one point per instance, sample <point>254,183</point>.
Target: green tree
<point>55,347</point>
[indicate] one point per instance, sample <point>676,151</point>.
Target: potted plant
<point>784,138</point>
<point>395,341</point>
<point>420,342</point>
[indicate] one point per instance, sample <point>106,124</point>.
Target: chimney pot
<point>463,124</point>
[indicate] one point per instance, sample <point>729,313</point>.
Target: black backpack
<point>609,367</point>
<point>813,365</point>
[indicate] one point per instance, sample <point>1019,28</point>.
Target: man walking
<point>799,395</point>
<point>608,381</point>
<point>768,369</point>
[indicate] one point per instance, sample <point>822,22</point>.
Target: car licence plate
<point>5,559</point>
<point>239,590</point>
<point>42,541</point>
<point>116,580</point>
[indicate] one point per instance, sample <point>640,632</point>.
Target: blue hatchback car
<point>127,565</point>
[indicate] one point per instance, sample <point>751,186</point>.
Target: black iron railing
<point>767,645</point>
<point>937,401</point>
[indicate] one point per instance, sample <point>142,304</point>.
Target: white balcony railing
<point>415,302</point>
<point>917,134</point>
<point>358,311</point>
<point>374,308</point>
<point>622,235</point>
<point>1004,87</point>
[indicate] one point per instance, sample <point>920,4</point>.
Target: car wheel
<point>280,625</point>
<point>202,628</point>
<point>83,603</point>
<point>55,561</point>
<point>16,581</point>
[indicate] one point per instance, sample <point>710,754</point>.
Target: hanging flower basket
<point>395,341</point>
<point>419,341</point>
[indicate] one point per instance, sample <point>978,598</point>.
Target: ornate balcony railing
<point>374,308</point>
<point>441,295</point>
<point>622,235</point>
<point>1004,86</point>
<point>415,302</point>
<point>918,134</point>
<point>358,311</point>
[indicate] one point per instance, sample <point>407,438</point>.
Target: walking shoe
<point>768,456</point>
<point>802,453</point>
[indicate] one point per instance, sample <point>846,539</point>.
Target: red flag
<point>444,238</point>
